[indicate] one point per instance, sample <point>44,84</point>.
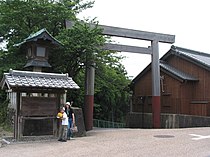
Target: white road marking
<point>199,137</point>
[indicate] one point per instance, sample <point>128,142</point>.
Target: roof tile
<point>177,72</point>
<point>27,79</point>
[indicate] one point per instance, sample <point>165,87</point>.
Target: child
<point>64,125</point>
<point>59,115</point>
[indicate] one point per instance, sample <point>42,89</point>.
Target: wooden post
<point>89,96</point>
<point>17,118</point>
<point>156,107</point>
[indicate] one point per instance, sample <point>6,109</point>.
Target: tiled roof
<point>41,34</point>
<point>196,57</point>
<point>177,73</point>
<point>28,79</point>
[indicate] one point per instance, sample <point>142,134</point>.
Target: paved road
<point>190,142</point>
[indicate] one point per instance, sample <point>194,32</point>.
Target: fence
<point>107,124</point>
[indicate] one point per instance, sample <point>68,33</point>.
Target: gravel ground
<point>119,143</point>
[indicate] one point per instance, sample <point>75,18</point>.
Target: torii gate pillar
<point>156,106</point>
<point>89,96</point>
<point>155,38</point>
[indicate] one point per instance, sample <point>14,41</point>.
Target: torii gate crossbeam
<point>153,50</point>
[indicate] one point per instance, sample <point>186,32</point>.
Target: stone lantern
<point>37,48</point>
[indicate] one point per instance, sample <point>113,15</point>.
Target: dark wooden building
<point>185,76</point>
<point>36,96</point>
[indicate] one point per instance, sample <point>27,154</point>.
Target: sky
<point>188,20</point>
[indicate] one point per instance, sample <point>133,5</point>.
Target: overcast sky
<point>188,20</point>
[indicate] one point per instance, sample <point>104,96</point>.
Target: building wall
<point>144,81</point>
<point>191,98</point>
<point>200,98</point>
<point>142,94</point>
<point>201,90</point>
<point>170,94</point>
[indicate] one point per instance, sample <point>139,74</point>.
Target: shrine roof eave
<point>30,80</point>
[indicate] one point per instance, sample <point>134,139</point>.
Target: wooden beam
<point>126,48</point>
<point>131,33</point>
<point>137,34</point>
<point>39,90</point>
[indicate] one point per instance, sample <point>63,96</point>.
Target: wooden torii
<point>153,50</point>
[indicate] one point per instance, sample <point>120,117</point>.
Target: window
<point>40,51</point>
<point>29,52</point>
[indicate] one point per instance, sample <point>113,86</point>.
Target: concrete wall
<point>139,120</point>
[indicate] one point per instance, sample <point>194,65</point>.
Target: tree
<point>111,94</point>
<point>81,45</point>
<point>19,18</point>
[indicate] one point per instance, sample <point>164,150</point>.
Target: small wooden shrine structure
<point>36,96</point>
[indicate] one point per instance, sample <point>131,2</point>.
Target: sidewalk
<point>120,143</point>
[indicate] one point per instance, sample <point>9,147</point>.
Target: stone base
<point>144,120</point>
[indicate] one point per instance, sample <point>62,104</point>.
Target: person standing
<point>64,126</point>
<point>71,118</point>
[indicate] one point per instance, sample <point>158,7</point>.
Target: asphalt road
<point>187,142</point>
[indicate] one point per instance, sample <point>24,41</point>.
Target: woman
<point>71,119</point>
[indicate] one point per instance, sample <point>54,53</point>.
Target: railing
<point>107,124</point>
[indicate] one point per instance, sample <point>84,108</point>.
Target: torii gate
<point>153,50</point>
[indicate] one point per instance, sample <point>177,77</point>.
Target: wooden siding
<point>198,109</point>
<point>38,106</point>
<point>169,94</point>
<point>141,87</point>
<point>141,90</point>
<point>201,89</point>
<point>176,96</point>
<point>142,104</point>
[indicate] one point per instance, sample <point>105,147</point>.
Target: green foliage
<point>19,18</point>
<point>11,60</point>
<point>6,114</point>
<point>77,96</point>
<point>111,93</point>
<point>3,111</point>
<point>82,44</point>
<point>81,47</point>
